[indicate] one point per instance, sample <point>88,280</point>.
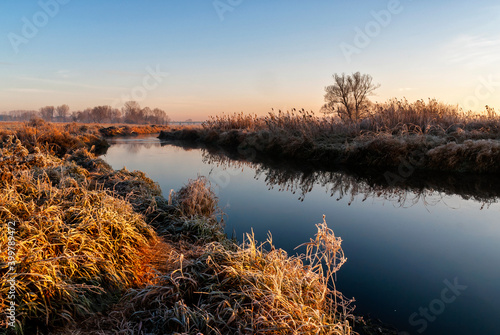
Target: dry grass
<point>63,138</point>
<point>393,133</point>
<point>10,125</point>
<point>129,130</point>
<point>75,248</point>
<point>191,214</point>
<point>252,289</point>
<point>88,237</point>
<point>135,187</point>
<point>58,139</point>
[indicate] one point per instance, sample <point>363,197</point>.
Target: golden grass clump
<point>251,289</point>
<point>55,138</point>
<point>14,156</point>
<point>133,186</point>
<point>75,248</point>
<point>87,160</point>
<point>192,214</point>
<point>197,199</point>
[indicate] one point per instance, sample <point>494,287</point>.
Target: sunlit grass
<point>250,289</point>
<point>102,251</point>
<point>74,246</point>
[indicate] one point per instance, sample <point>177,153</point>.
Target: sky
<point>196,58</point>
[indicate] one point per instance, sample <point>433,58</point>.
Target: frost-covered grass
<point>442,137</point>
<point>99,251</point>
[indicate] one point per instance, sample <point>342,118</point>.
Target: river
<point>426,260</point>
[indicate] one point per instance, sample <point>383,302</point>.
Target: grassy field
<point>93,250</point>
<point>424,136</point>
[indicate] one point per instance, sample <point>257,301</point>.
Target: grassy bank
<point>427,136</point>
<point>96,250</point>
<point>62,138</point>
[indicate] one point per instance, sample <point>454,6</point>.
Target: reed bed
<point>394,117</point>
<point>391,135</point>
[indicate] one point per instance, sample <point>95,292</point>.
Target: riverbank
<point>416,137</point>
<point>98,250</point>
<point>62,138</point>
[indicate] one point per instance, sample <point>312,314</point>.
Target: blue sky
<point>247,55</point>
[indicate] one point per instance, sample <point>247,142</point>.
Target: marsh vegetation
<point>99,250</point>
<point>427,135</point>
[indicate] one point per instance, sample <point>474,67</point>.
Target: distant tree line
<point>131,112</point>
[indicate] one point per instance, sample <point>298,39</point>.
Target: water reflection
<point>426,188</point>
<point>398,258</point>
<point>133,145</point>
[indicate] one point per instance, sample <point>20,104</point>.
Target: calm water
<point>426,262</point>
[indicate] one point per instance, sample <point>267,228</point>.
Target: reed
<point>393,117</point>
<point>389,136</point>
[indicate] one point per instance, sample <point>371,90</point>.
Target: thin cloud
<point>30,90</point>
<point>124,73</point>
<point>64,74</point>
<point>474,51</point>
<point>69,83</point>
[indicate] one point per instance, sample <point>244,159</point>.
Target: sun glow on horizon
<point>194,61</point>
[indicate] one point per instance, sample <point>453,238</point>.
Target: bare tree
<point>85,115</point>
<point>116,115</point>
<point>132,112</point>
<point>348,95</point>
<point>101,113</point>
<point>62,111</point>
<point>147,114</point>
<point>47,113</point>
<point>160,116</point>
<point>74,116</point>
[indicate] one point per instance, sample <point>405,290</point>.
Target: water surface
<point>405,247</point>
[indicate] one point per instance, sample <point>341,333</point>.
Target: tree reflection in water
<point>427,188</point>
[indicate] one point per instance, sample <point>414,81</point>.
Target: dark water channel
<point>423,256</point>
